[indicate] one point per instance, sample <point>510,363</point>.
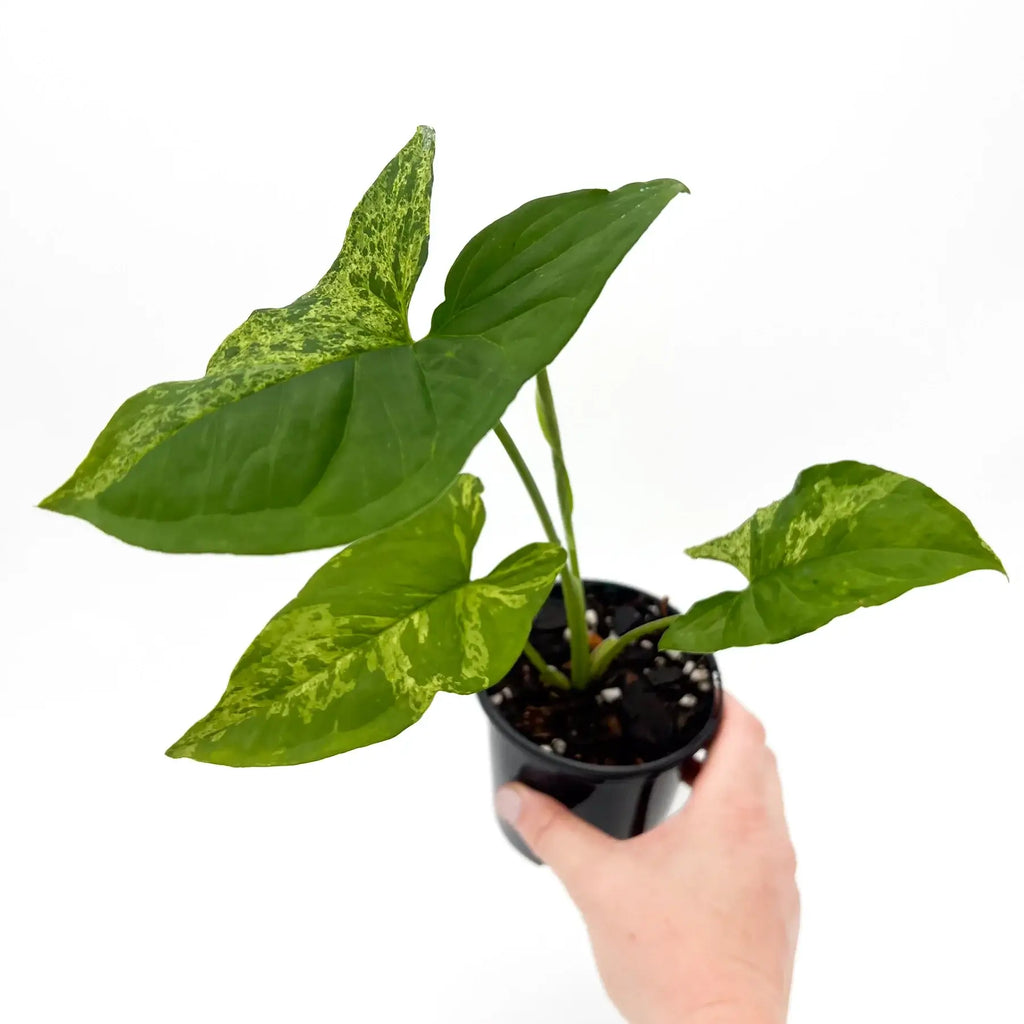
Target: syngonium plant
<point>325,423</point>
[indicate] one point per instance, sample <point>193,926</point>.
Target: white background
<point>844,282</point>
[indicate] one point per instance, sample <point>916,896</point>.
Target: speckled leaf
<point>847,536</point>
<point>383,626</point>
<point>269,450</point>
<point>322,422</point>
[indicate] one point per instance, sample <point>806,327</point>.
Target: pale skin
<point>696,921</point>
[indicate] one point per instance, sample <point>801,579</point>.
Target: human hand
<point>696,921</point>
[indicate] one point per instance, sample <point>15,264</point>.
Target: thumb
<point>566,843</point>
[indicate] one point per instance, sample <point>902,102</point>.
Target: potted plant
<point>324,423</point>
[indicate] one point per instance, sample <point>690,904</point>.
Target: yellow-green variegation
<point>847,536</point>
<point>323,421</point>
<point>359,654</point>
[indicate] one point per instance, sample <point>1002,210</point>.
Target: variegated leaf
<point>383,626</point>
<point>244,458</point>
<point>847,536</point>
<point>321,422</point>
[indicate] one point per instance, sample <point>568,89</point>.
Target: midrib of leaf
<point>341,440</point>
<point>872,550</point>
<point>482,248</point>
<point>500,349</point>
<point>512,319</point>
<point>519,255</point>
<point>735,604</point>
<point>838,556</point>
<point>781,575</point>
<point>403,315</point>
<point>433,409</point>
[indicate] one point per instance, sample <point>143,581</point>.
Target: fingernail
<point>507,804</point>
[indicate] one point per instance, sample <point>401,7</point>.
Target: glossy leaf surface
<point>847,536</point>
<point>322,422</point>
<point>383,626</point>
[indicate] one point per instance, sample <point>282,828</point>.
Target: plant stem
<point>572,594</point>
<point>554,436</point>
<point>528,481</point>
<point>608,650</point>
<point>548,673</point>
<point>572,585</point>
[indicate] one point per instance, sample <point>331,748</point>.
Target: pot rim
<point>610,771</point>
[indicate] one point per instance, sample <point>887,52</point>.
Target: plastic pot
<point>623,801</point>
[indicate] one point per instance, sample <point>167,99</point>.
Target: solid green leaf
<point>531,276</point>
<point>359,654</point>
<point>322,422</point>
<point>847,536</point>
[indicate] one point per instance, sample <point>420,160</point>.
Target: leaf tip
<point>675,186</point>
<point>468,488</point>
<point>997,562</point>
<point>184,746</point>
<point>54,502</point>
<point>425,137</point>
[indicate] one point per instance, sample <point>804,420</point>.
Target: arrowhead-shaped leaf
<point>322,422</point>
<point>359,654</point>
<point>248,457</point>
<point>847,536</point>
<point>533,275</point>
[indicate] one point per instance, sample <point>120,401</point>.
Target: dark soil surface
<point>648,704</point>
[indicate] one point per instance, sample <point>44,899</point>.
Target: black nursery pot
<point>621,799</point>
